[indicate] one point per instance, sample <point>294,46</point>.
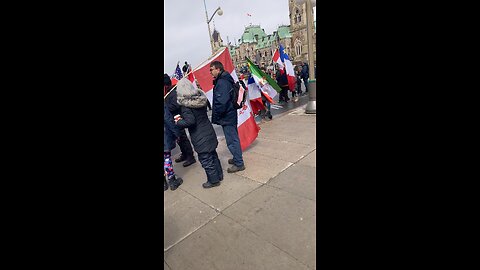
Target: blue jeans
<point>233,144</point>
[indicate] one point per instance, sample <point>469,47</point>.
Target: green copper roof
<point>250,32</point>
<point>284,31</point>
<point>266,42</point>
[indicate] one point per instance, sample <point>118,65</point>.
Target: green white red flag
<point>268,86</point>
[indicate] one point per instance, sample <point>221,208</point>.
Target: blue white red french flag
<point>289,69</point>
<point>277,59</point>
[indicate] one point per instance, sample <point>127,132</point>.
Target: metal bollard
<point>312,97</point>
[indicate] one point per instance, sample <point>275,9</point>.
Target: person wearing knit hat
<point>194,116</point>
<point>174,108</point>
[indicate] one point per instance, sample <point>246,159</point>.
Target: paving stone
<point>262,168</point>
<point>288,151</point>
<point>297,179</point>
<point>282,130</point>
<point>309,160</point>
<point>232,188</point>
<point>182,215</point>
<point>224,244</point>
<point>281,218</point>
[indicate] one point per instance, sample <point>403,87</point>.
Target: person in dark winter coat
<point>282,81</point>
<point>224,114</point>
<point>305,75</point>
<point>299,82</point>
<point>171,133</point>
<point>194,117</point>
<point>174,108</point>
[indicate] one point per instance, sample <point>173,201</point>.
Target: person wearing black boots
<point>174,108</point>
<point>171,133</point>
<point>204,139</point>
<point>165,184</point>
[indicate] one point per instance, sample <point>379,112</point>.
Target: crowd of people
<point>301,75</point>
<point>185,107</point>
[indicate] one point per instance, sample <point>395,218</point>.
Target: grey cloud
<point>186,33</point>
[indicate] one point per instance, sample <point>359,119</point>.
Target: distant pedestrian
<point>183,141</point>
<point>305,75</point>
<point>265,113</point>
<point>204,139</point>
<point>185,68</point>
<point>225,114</point>
<point>282,81</point>
<point>299,82</point>
<point>171,133</point>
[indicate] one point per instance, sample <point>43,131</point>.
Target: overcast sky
<point>185,27</point>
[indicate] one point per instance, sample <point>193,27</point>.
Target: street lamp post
<point>312,82</point>
<point>220,12</point>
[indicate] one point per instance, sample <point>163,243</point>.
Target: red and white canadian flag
<point>247,127</point>
<point>191,77</point>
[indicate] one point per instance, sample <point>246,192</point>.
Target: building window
<point>298,47</point>
<point>297,16</point>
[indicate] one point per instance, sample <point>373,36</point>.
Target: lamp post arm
<point>213,15</point>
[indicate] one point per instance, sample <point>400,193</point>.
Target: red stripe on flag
<point>276,55</point>
<point>248,132</point>
<point>174,81</point>
<point>203,75</point>
<point>190,77</point>
<point>267,96</point>
<point>256,105</point>
<point>291,82</point>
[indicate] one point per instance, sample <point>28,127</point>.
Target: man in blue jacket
<point>225,115</point>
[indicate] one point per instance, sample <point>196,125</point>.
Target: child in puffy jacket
<point>171,133</point>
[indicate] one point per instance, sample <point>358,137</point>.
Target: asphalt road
<point>276,109</point>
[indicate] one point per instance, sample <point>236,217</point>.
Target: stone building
<point>259,47</point>
<point>298,29</point>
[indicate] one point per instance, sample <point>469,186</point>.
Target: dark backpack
<point>236,92</point>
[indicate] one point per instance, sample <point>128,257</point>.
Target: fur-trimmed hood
<point>188,96</point>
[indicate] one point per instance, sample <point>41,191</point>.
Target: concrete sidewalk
<point>261,218</point>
